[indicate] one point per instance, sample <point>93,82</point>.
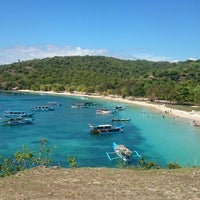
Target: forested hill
<point>178,82</point>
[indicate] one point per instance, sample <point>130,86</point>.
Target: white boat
<point>105,128</point>
<point>79,105</point>
<point>122,152</point>
<point>54,104</point>
<point>103,111</point>
<point>14,114</point>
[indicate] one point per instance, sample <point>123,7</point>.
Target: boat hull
<point>17,121</point>
<point>105,131</point>
<point>121,120</point>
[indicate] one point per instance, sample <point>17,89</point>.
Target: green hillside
<point>177,82</point>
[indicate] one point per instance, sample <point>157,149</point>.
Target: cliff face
<point>101,183</point>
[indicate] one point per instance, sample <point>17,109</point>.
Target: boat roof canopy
<point>104,125</point>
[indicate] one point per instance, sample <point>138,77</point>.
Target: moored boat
<point>17,121</point>
<point>43,108</point>
<point>121,119</point>
<point>119,107</point>
<point>123,153</point>
<point>11,114</point>
<point>79,105</point>
<point>105,128</point>
<point>104,111</point>
<point>89,103</point>
<point>54,104</point>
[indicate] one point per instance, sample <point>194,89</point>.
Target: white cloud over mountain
<point>13,54</point>
<point>22,53</point>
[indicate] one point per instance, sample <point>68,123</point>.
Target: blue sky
<point>155,30</point>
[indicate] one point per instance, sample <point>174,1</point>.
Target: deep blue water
<point>158,139</point>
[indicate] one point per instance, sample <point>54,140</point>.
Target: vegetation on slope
<point>174,82</point>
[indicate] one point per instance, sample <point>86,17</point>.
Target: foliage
<point>25,159</point>
<point>173,165</point>
<point>173,82</point>
<point>71,161</point>
<point>148,165</point>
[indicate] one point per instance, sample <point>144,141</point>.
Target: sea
<point>154,135</point>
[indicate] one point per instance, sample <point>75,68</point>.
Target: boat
<point>89,103</point>
<point>104,111</point>
<point>79,105</point>
<point>118,108</point>
<point>105,128</point>
<point>84,98</point>
<point>43,108</point>
<point>196,124</point>
<point>17,121</point>
<point>54,104</point>
<point>11,114</point>
<point>122,152</point>
<point>121,119</point>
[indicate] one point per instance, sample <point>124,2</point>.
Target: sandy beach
<point>190,116</point>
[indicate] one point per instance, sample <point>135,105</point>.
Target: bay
<point>157,138</point>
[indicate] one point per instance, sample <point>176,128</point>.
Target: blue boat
<point>123,153</point>
<point>17,121</point>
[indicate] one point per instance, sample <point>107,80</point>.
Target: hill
<point>177,82</point>
<point>101,183</point>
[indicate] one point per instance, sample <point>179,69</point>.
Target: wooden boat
<point>17,121</point>
<point>15,114</point>
<point>122,152</point>
<point>105,128</point>
<point>121,119</point>
<point>103,111</point>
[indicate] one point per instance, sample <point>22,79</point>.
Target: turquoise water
<point>158,139</point>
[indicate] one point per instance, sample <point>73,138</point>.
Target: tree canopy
<point>174,82</point>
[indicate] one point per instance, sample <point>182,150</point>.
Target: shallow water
<point>158,139</point>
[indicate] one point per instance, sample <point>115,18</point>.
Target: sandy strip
<point>192,116</point>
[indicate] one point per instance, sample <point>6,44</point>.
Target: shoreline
<point>193,116</point>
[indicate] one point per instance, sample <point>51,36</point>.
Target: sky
<point>156,30</point>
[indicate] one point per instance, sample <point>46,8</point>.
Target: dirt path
<point>101,183</point>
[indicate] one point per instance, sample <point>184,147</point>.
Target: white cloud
<point>13,54</point>
<point>154,58</point>
<point>192,59</point>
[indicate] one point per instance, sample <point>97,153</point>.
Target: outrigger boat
<point>105,128</point>
<point>43,108</point>
<point>11,114</point>
<point>79,105</point>
<point>17,121</point>
<point>54,104</point>
<point>122,152</point>
<point>103,111</point>
<point>121,119</point>
<point>118,108</point>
